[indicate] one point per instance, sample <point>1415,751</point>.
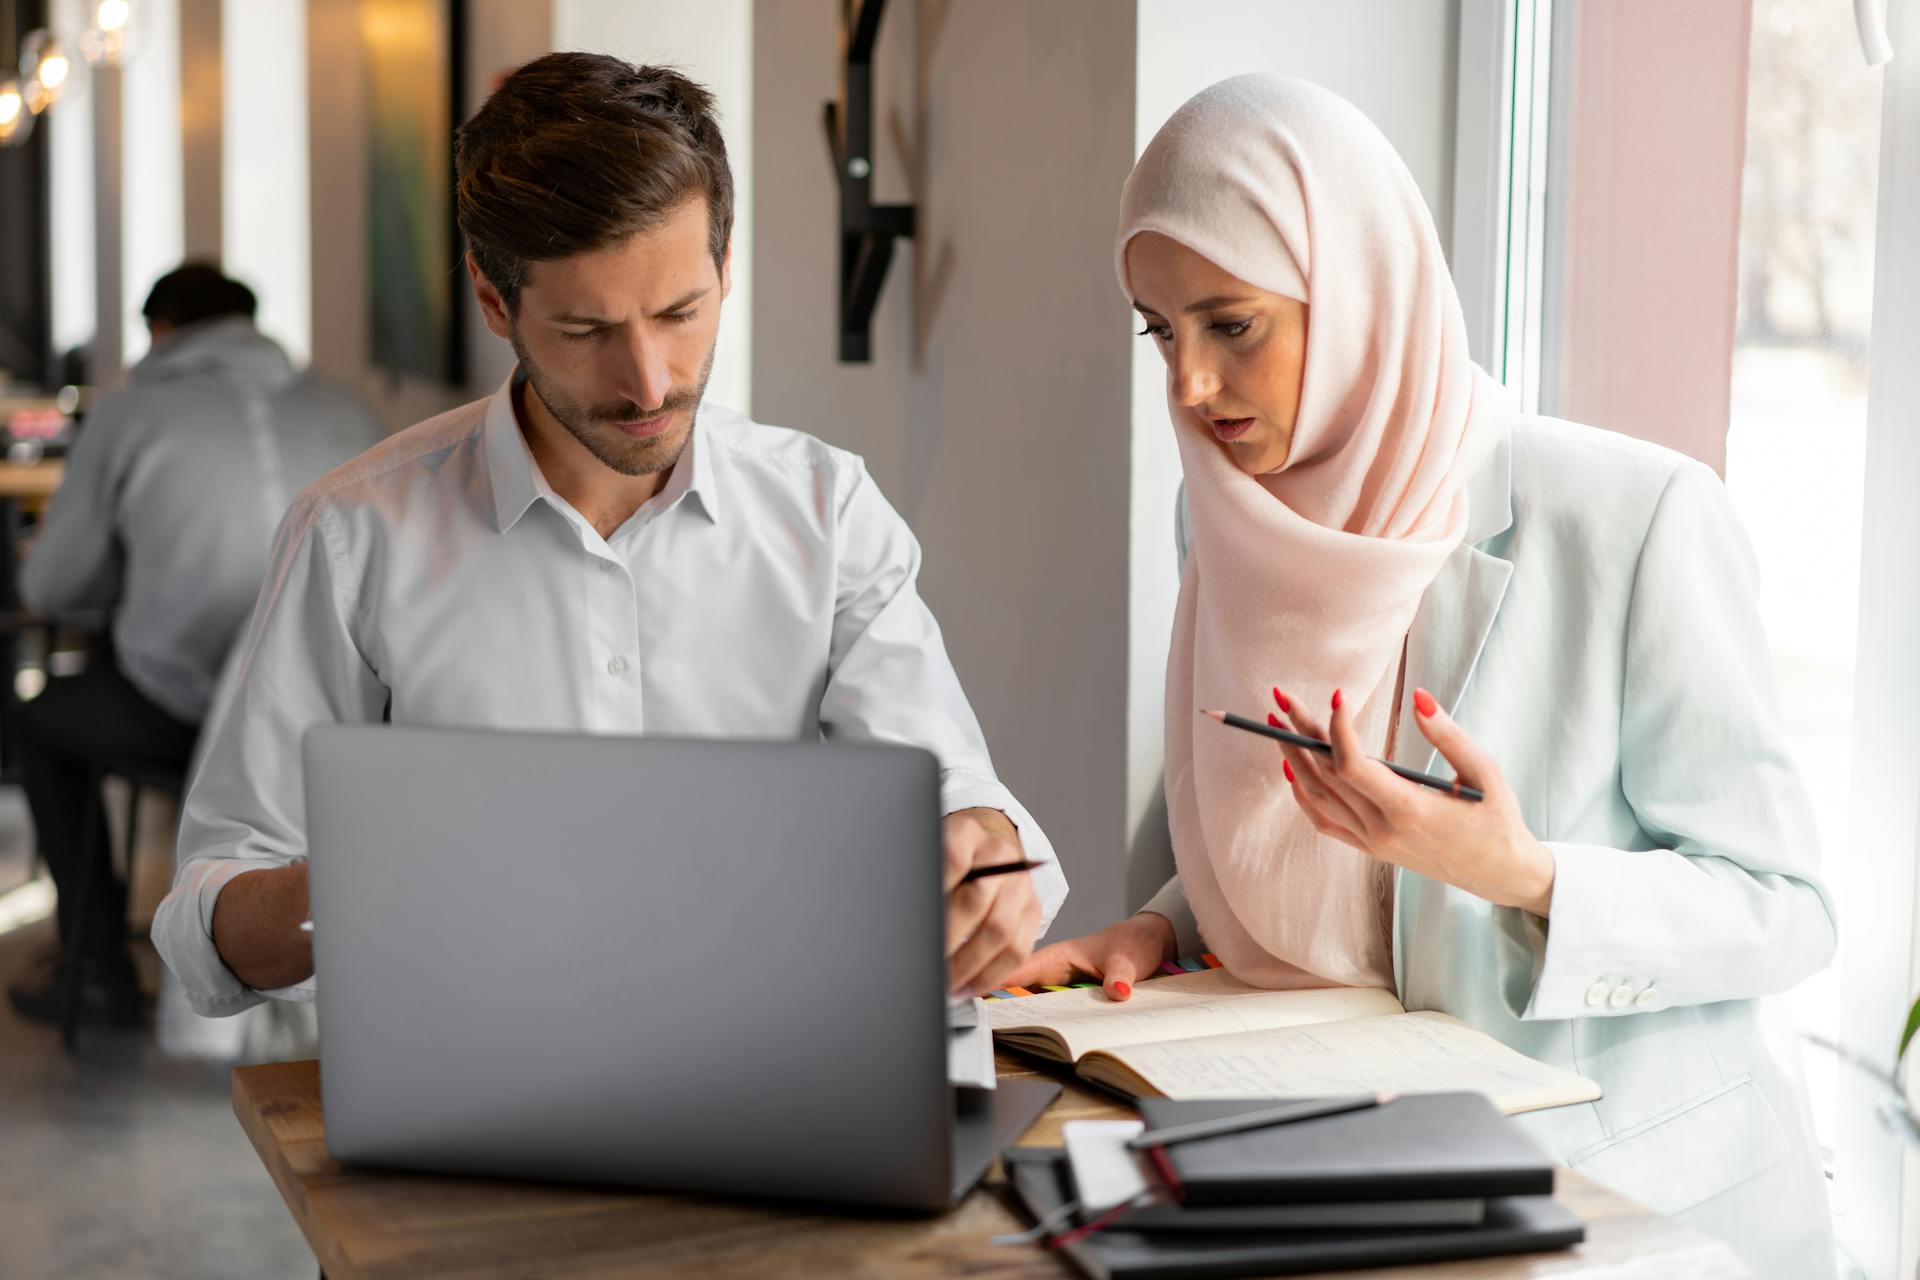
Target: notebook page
<point>1207,1003</point>
<point>1407,1053</point>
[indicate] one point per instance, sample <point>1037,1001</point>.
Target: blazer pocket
<point>1675,1160</point>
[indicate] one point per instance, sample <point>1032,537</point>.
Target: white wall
<point>711,42</point>
<point>70,198</point>
<point>1394,60</point>
<point>994,413</point>
<point>153,227</point>
<point>266,228</point>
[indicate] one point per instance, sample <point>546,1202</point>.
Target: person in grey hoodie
<point>162,526</point>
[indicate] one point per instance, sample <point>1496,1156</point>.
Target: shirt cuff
<point>183,934</point>
<point>961,789</point>
<point>1572,966</point>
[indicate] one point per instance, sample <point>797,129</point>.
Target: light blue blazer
<point>1597,633</point>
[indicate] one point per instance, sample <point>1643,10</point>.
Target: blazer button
<point>1647,999</point>
<point>1597,994</point>
<point>1622,996</point>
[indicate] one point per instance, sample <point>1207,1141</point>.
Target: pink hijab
<point>1307,577</point>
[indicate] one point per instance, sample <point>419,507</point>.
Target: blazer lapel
<point>1449,630</point>
<point>1456,613</point>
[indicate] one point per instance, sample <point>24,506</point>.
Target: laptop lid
<point>701,965</point>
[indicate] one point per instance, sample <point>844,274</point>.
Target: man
<point>163,522</point>
<point>590,549</point>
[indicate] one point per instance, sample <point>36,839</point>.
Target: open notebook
<point>1208,1035</point>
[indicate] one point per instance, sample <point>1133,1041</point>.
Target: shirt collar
<point>517,481</point>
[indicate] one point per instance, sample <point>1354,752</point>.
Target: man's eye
<point>583,336</point>
<point>679,317</point>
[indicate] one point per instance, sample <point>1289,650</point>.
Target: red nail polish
<point>1286,767</point>
<point>1423,702</point>
<point>1284,704</point>
<point>1336,699</point>
<point>1123,989</point>
<point>1273,720</point>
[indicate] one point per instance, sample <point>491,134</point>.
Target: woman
<point>1367,521</point>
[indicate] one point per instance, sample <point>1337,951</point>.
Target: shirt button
<point>1597,993</point>
<point>616,665</point>
<point>1622,996</point>
<point>1647,999</point>
<point>606,566</point>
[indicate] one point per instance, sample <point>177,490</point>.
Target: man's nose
<point>646,379</point>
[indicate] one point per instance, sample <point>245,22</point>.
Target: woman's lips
<point>1230,429</point>
<point>646,428</point>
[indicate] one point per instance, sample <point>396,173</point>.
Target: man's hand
<point>256,927</point>
<point>991,923</point>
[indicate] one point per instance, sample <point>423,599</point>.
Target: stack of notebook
<point>1422,1178</point>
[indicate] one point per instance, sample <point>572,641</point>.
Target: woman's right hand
<point>1119,955</point>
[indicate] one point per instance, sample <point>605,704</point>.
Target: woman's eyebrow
<point>1217,301</point>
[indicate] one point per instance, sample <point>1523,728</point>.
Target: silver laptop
<point>697,965</point>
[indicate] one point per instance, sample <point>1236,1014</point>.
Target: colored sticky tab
<point>1191,965</point>
<point>999,995</point>
<point>1168,966</point>
<point>1212,961</point>
<point>1082,986</point>
<point>1018,991</point>
<point>1050,987</point>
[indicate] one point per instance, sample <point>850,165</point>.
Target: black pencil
<point>1452,786</point>
<point>999,869</point>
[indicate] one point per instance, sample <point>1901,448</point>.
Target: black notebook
<point>1420,1147</point>
<point>1514,1224</point>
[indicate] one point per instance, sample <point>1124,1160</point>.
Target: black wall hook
<point>867,230</point>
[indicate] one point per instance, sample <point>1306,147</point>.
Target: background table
<point>367,1224</point>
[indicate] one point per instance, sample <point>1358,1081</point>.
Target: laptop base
<point>986,1121</point>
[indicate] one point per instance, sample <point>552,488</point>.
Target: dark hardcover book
<point>1418,1147</point>
<point>1383,1214</point>
<point>1514,1224</point>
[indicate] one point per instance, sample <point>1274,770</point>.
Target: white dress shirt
<point>767,591</point>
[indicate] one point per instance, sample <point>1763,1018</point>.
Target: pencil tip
<point>1215,715</point>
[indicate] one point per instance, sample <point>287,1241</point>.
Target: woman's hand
<point>1117,955</point>
<point>1483,847</point>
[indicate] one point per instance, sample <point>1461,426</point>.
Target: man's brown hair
<point>575,152</point>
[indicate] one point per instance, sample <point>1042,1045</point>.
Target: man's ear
<point>726,270</point>
<point>493,307</point>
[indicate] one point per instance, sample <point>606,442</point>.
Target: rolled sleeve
<point>1729,903</point>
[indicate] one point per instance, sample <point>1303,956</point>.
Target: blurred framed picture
<point>414,52</point>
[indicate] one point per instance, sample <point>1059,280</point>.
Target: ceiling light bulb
<point>44,67</point>
<point>111,15</point>
<point>53,70</point>
<point>16,122</point>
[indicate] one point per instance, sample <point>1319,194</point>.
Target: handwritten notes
<point>1403,1053</point>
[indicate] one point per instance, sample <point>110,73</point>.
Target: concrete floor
<point>120,1162</point>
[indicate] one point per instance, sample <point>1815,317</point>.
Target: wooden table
<point>365,1224</point>
<point>31,484</point>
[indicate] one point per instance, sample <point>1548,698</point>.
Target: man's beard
<point>593,425</point>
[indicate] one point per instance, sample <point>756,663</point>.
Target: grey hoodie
<point>171,496</point>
